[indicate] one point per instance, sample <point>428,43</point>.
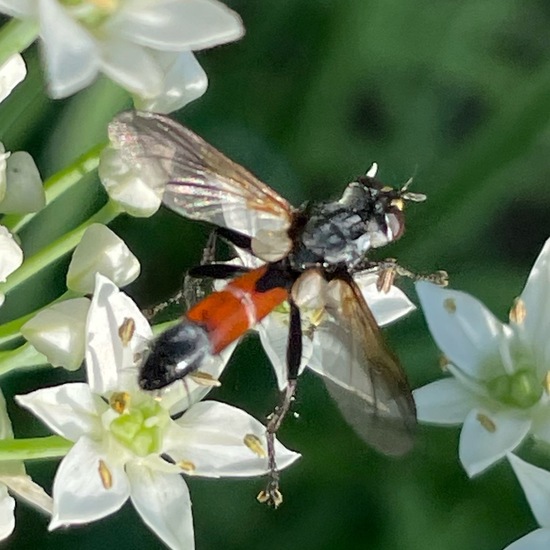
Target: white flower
<point>11,256</point>
<point>123,39</point>
<point>21,189</point>
<point>129,185</point>
<point>122,434</point>
<point>501,379</point>
<point>14,479</point>
<point>101,251</point>
<point>184,81</point>
<point>536,486</point>
<point>58,332</point>
<point>12,72</point>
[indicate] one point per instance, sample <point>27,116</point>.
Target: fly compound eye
<point>396,225</point>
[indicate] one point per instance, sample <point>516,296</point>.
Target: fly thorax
<point>334,234</point>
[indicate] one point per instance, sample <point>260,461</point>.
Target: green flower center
<point>91,13</point>
<point>521,389</point>
<point>140,428</point>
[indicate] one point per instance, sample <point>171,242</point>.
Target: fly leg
<point>271,494</point>
<point>193,290</point>
<point>389,269</point>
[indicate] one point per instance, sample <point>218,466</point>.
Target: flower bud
<point>58,332</point>
<point>101,251</point>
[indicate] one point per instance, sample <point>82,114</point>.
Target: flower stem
<point>52,446</point>
<point>58,184</point>
<point>15,36</point>
<point>23,356</point>
<point>58,248</point>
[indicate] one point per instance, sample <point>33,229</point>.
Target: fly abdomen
<point>208,328</point>
<point>174,354</point>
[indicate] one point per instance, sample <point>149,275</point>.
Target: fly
<point>322,245</point>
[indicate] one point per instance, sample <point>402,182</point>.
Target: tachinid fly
<point>315,250</point>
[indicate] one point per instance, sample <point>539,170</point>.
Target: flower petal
<point>127,63</point>
<point>211,437</point>
<point>536,296</point>
<point>70,410</point>
<point>163,502</point>
<point>24,191</point>
<point>11,255</point>
<point>486,437</point>
<point>18,8</point>
<point>101,251</point>
<point>465,331</point>
<point>129,185</point>
<point>12,72</point>
<point>181,395</point>
<point>6,431</point>
<point>174,25</point>
<point>386,307</point>
<point>30,491</point>
<point>87,486</point>
<point>7,517</point>
<point>70,53</point>
<point>184,81</point>
<point>535,483</point>
<point>58,332</point>
<point>110,363</point>
<point>539,539</point>
<point>444,401</point>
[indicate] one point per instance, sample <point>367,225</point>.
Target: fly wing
<point>200,182</point>
<point>362,374</point>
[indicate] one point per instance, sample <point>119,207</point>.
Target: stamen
<point>120,401</point>
<point>518,312</point>
<point>204,379</point>
<point>386,278</point>
<point>486,422</point>
<point>255,445</point>
<point>316,316</point>
<point>450,305</point>
<point>546,382</point>
<point>187,466</point>
<point>126,330</point>
<point>444,362</point>
<point>105,475</point>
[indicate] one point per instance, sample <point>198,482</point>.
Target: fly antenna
<point>408,196</point>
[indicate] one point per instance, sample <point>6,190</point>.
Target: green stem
<point>16,36</point>
<point>52,446</point>
<point>23,356</point>
<point>58,184</point>
<point>58,248</point>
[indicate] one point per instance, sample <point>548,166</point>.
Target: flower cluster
<point>499,388</point>
<point>146,47</point>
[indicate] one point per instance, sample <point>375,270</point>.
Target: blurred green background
<point>456,94</point>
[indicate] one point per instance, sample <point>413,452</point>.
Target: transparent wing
<point>200,182</point>
<point>362,374</point>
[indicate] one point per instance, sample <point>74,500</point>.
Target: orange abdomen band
<point>229,313</point>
